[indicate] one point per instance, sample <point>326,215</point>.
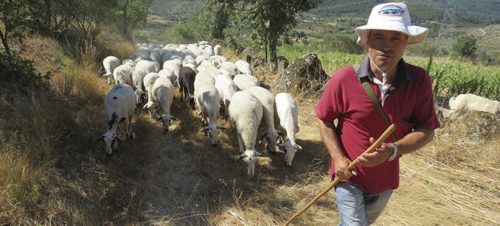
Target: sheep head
<point>111,141</point>
<point>290,149</point>
<point>250,157</point>
<point>166,119</point>
<point>212,131</point>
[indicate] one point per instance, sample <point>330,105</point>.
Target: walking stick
<point>377,143</point>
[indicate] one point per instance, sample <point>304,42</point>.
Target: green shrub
<point>465,46</point>
<point>182,33</point>
<point>21,72</point>
<point>341,43</point>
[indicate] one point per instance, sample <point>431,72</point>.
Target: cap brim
<point>416,34</point>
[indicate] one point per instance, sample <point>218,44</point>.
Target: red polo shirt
<point>408,104</point>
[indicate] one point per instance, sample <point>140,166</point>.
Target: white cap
<point>392,16</point>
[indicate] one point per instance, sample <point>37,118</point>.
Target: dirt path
<point>190,183</point>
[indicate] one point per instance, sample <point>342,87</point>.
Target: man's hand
<point>341,171</point>
<point>380,155</point>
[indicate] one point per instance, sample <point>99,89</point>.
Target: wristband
<point>394,154</point>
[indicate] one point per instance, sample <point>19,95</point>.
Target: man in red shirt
<point>405,93</point>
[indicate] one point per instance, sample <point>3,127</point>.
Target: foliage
<point>450,77</point>
<point>259,22</point>
<point>341,43</point>
<point>21,72</point>
<point>214,18</point>
<point>132,13</point>
<point>465,46</point>
<point>182,33</point>
<point>14,20</point>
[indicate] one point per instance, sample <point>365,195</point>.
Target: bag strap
<point>365,82</point>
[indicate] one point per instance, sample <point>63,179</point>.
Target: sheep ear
<point>241,156</point>
<point>118,139</point>
<point>282,145</point>
<point>173,118</point>
<point>298,147</point>
<point>100,138</point>
<point>159,118</point>
<point>258,153</point>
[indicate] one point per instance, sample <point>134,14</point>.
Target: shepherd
<point>365,100</point>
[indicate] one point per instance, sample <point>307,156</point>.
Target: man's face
<point>386,48</point>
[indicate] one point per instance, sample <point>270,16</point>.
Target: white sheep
<point>471,102</point>
<point>173,65</point>
<point>110,63</point>
<point>148,66</point>
<point>208,101</point>
<point>243,67</point>
<point>202,43</point>
<point>217,50</point>
<point>288,112</point>
<point>245,113</point>
<point>229,67</point>
<point>148,81</point>
<point>168,73</point>
<point>188,60</point>
<point>226,87</point>
<point>267,100</point>
<point>123,74</point>
<point>163,94</point>
<point>119,105</point>
<point>203,78</point>
<point>245,81</point>
<point>138,82</point>
<point>129,62</point>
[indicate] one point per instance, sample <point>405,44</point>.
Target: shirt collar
<point>403,71</point>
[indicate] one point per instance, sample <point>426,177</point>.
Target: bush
<point>21,72</point>
<point>465,46</point>
<point>341,43</point>
<point>182,33</point>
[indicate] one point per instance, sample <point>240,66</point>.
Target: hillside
<point>465,13</point>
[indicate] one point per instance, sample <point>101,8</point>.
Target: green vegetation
<point>451,77</point>
<point>465,46</point>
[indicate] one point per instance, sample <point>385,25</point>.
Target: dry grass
<point>53,172</point>
<point>115,44</point>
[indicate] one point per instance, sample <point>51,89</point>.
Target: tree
<point>14,21</point>
<point>466,46</point>
<point>132,13</point>
<point>269,19</point>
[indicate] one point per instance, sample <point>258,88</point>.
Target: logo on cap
<point>391,10</point>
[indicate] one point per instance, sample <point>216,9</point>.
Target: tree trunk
<point>266,48</point>
<point>48,14</point>
<point>5,43</point>
<point>272,43</point>
<point>125,19</point>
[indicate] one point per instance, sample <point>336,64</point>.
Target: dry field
<point>64,177</point>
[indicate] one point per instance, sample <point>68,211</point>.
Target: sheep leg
<point>240,144</point>
<point>128,128</point>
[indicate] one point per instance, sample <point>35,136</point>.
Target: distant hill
<point>463,12</point>
<point>174,9</point>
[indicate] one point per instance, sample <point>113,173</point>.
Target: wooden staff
<point>351,166</point>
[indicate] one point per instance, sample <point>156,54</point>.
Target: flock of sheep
<point>206,81</point>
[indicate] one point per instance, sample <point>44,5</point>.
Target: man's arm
<point>329,137</point>
<point>414,141</point>
<point>408,144</point>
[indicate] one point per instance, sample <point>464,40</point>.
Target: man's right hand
<point>341,171</point>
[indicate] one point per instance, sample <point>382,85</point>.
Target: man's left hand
<point>380,155</point>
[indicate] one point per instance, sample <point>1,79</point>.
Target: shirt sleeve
<point>327,108</point>
<point>425,114</point>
